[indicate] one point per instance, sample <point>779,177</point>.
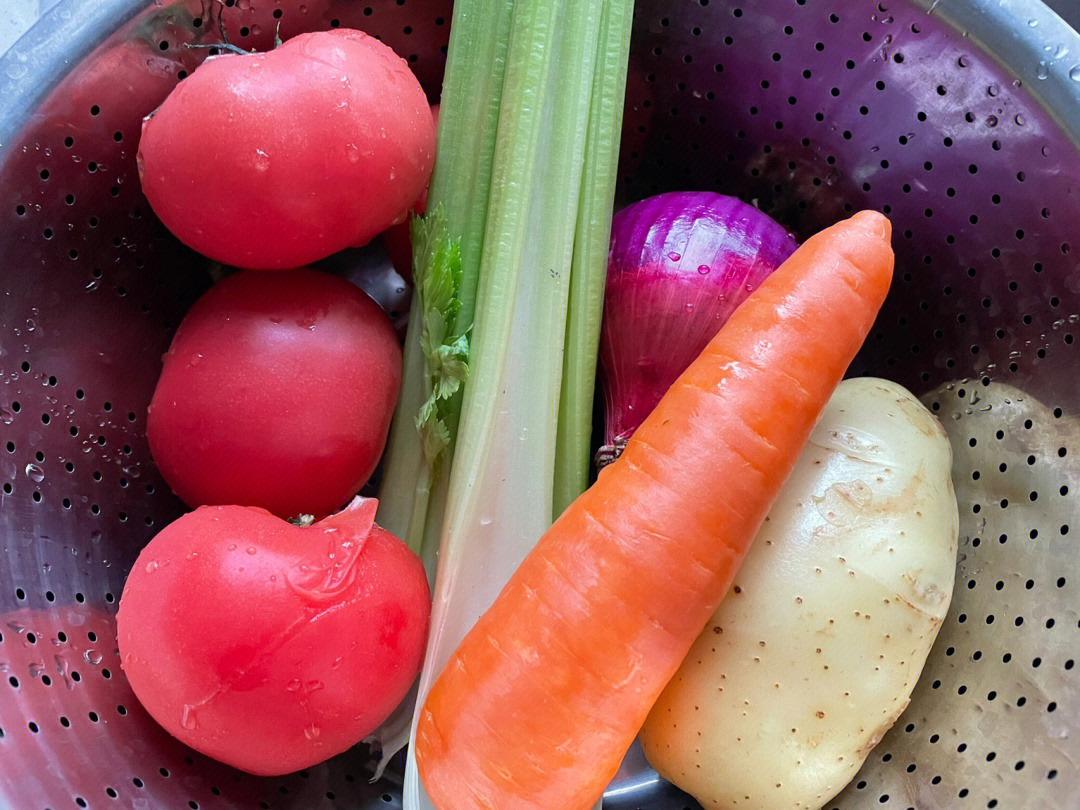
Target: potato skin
<point>814,652</point>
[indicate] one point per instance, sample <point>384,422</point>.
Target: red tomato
<point>398,243</point>
<point>397,239</point>
<point>268,646</point>
<point>277,391</point>
<point>277,159</point>
<point>65,662</point>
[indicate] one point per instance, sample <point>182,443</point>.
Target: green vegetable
<point>591,239</point>
<point>412,495</point>
<point>510,266</point>
<point>445,348</point>
<point>459,191</point>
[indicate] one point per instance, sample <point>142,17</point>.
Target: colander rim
<point>1022,35</point>
<point>38,60</point>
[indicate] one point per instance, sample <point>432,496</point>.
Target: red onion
<point>680,263</point>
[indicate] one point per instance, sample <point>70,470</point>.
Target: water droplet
<point>313,686</point>
<point>187,717</point>
<point>151,566</point>
<point>192,555</point>
<point>16,70</point>
<point>703,269</point>
<point>293,685</point>
<point>6,416</point>
<point>337,663</point>
<point>1045,151</point>
<point>1074,73</point>
<point>93,285</point>
<point>250,550</point>
<point>92,657</point>
<point>1020,120</point>
<point>1033,23</point>
<point>35,473</point>
<point>991,121</point>
<point>1041,72</point>
<point>352,152</point>
<point>674,256</point>
<point>963,61</point>
<point>36,669</point>
<point>262,160</point>
<point>194,360</point>
<point>255,31</point>
<point>1060,51</point>
<point>30,325</point>
<point>992,90</point>
<point>232,546</point>
<point>311,732</point>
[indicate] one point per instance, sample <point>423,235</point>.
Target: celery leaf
<point>437,259</point>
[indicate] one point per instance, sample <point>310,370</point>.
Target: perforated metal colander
<point>813,108</point>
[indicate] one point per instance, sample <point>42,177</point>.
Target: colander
<point>958,118</point>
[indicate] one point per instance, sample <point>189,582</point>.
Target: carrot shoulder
<point>540,702</point>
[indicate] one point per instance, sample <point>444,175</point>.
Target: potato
<point>815,650</point>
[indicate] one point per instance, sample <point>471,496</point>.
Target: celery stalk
<point>509,265</point>
<point>468,121</point>
<point>460,184</point>
<point>404,455</point>
<point>589,268</point>
<point>499,500</point>
<point>412,494</point>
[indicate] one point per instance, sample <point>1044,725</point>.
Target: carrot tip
<point>874,222</point>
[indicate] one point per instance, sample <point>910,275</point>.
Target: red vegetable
<point>397,237</point>
<point>277,391</point>
<point>268,646</point>
<point>277,159</point>
<point>680,264</point>
<point>398,242</point>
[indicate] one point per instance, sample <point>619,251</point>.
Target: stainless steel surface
<point>959,119</point>
<point>15,17</point>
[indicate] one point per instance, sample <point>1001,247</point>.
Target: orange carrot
<point>542,699</point>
